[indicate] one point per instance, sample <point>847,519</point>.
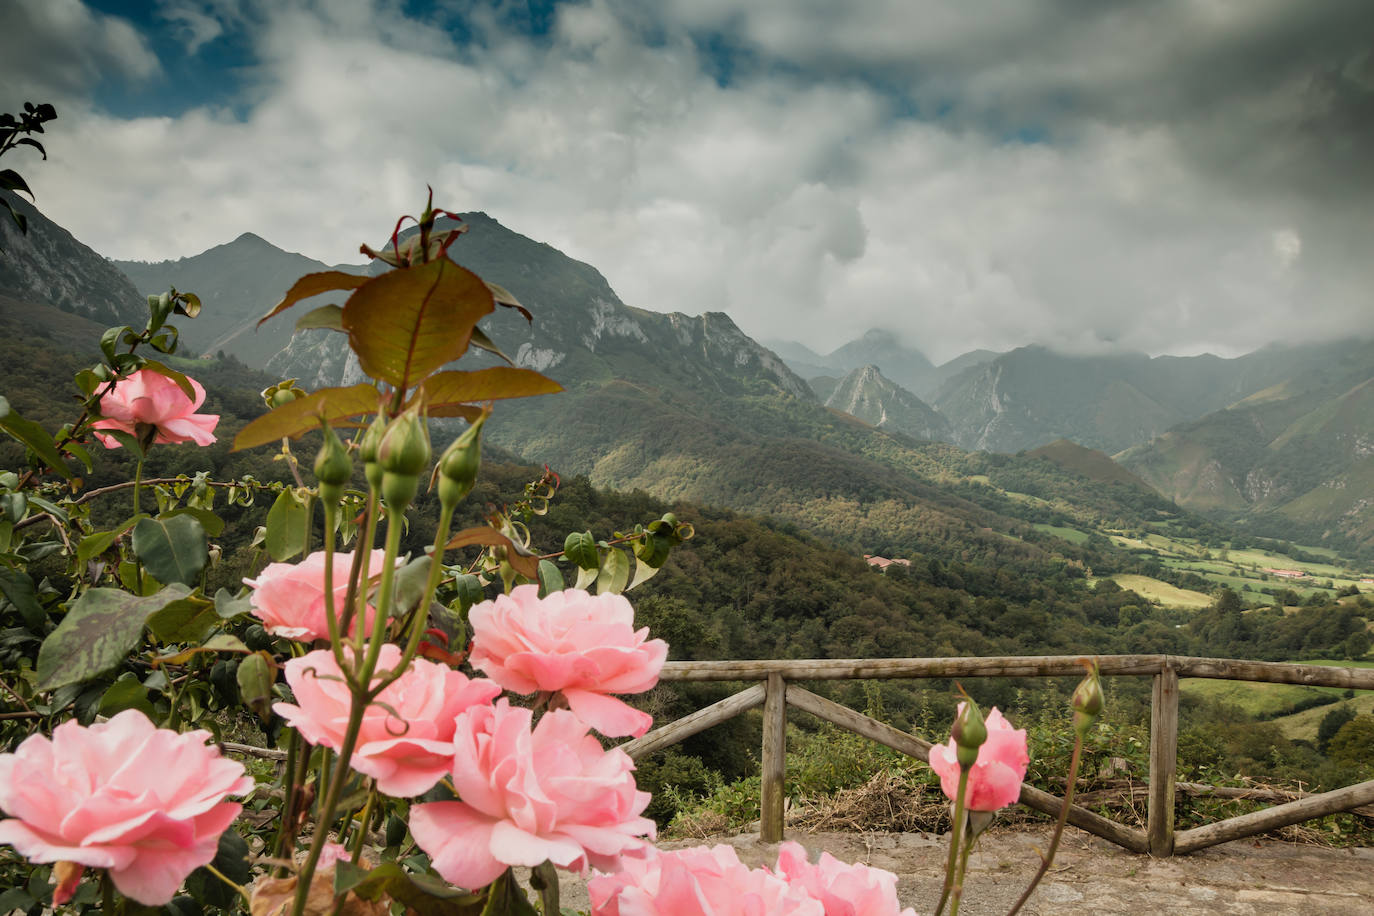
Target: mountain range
<point>690,406</point>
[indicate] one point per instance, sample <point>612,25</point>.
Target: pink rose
<point>406,741</point>
<point>289,597</point>
<point>146,398</point>
<point>530,795</point>
<point>147,803</point>
<point>844,890</point>
<point>583,645</point>
<point>994,781</point>
<point>697,882</point>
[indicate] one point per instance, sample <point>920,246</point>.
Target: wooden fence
<point>775,693</point>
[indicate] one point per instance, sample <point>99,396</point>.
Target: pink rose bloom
<point>530,795</point>
<point>843,890</point>
<point>150,399</point>
<point>994,781</point>
<point>406,741</point>
<point>584,646</point>
<point>147,803</point>
<point>289,597</point>
<point>697,882</point>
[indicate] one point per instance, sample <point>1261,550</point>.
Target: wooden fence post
<point>1163,760</point>
<point>774,758</point>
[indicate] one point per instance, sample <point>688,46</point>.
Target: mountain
<point>1032,395</point>
<point>1297,456</point>
<point>50,267</point>
<point>581,332</point>
<point>238,283</point>
<point>869,395</point>
<point>1087,462</point>
<point>906,366</point>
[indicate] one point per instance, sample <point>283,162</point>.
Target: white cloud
<point>798,204</point>
<point>53,50</point>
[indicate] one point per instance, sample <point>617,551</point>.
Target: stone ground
<point>1093,876</point>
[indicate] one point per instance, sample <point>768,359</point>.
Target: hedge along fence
<point>774,693</point>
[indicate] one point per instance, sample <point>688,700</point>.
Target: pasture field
<point>1072,535</point>
<point>1303,725</point>
<point>1163,592</point>
<point>1261,701</point>
<point>1287,705</point>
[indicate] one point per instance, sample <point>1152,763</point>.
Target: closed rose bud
<point>333,467</point>
<point>403,454</point>
<point>1087,700</point>
<point>459,464</point>
<point>368,447</point>
<point>969,732</point>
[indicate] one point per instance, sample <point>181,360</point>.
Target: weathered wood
<point>858,723</point>
<point>700,720</point>
<point>1163,762</point>
<point>1123,836</point>
<point>1124,792</point>
<point>899,740</point>
<point>1274,672</point>
<point>861,668</point>
<point>1272,818</point>
<point>774,760</point>
<point>252,750</point>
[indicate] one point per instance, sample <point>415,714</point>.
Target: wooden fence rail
<point>775,693</point>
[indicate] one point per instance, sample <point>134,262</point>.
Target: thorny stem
<point>361,698</point>
<point>331,614</point>
<point>330,803</point>
<point>238,888</point>
<point>421,613</point>
<point>356,597</point>
<point>1046,860</point>
<point>956,832</point>
<point>288,813</point>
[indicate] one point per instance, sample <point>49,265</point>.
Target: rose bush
<point>406,738</point>
<point>530,793</point>
<point>581,645</point>
<point>994,780</point>
<point>145,803</point>
<point>148,400</point>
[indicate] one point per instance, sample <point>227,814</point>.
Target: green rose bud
<point>1087,700</point>
<point>333,467</point>
<point>968,732</point>
<point>368,448</point>
<point>403,454</point>
<point>459,463</point>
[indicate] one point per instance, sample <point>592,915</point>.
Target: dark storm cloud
<point>1166,176</point>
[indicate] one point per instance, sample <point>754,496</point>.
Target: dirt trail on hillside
<point>1093,876</point>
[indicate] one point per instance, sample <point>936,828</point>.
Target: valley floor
<point>1092,876</point>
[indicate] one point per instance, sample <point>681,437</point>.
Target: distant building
<point>881,563</point>
<point>1287,573</point>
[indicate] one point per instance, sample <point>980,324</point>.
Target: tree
<point>1331,723</point>
<point>1354,743</point>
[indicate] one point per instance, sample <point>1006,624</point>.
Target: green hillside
<point>1295,460</point>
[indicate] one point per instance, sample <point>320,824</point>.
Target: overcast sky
<point>1172,177</point>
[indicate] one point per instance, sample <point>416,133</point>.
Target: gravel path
<point>1093,876</point>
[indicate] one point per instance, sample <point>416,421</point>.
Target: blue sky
<point>1177,176</point>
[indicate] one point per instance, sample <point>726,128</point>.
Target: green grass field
<point>1072,535</point>
<point>1166,594</point>
<point>1263,701</point>
<point>1276,701</point>
<point>1303,725</point>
